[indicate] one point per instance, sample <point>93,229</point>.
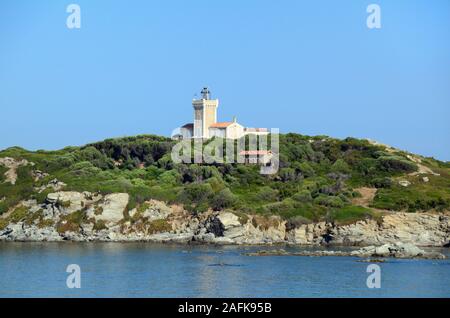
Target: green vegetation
<point>99,225</point>
<point>419,196</point>
<point>18,214</point>
<point>158,226</point>
<point>71,222</point>
<point>2,173</point>
<point>316,180</point>
<point>350,214</point>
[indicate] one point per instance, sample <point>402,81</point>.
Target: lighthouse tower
<point>205,113</point>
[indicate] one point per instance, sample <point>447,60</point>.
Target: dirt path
<point>367,195</point>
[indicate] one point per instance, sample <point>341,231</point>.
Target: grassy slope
<point>317,179</point>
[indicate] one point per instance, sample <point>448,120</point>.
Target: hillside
<point>320,179</point>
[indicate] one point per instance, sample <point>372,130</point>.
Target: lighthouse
<point>206,126</point>
<point>205,113</point>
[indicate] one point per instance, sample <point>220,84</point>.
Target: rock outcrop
<point>12,165</point>
<point>397,250</point>
<point>422,229</point>
<point>111,208</point>
<point>70,215</point>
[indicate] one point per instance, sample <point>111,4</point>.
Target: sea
<point>68,269</point>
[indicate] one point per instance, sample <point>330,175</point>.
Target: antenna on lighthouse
<point>205,93</point>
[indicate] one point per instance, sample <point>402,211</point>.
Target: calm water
<point>148,270</point>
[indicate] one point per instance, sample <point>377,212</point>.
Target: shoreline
<point>108,220</point>
<point>373,254</point>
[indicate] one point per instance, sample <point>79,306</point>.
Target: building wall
<point>234,131</point>
<point>198,122</point>
<point>210,116</point>
<point>217,132</point>
<point>205,114</point>
<point>186,133</point>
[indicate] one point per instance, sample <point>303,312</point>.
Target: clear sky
<point>311,67</point>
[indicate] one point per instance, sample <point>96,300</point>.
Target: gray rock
<point>112,207</point>
<point>398,250</point>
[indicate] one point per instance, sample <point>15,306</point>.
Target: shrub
<point>265,222</point>
<point>330,201</point>
<point>99,225</point>
<point>59,162</point>
<point>94,156</point>
<point>302,196</point>
<point>84,169</point>
<point>351,214</point>
<point>287,174</point>
<point>71,222</point>
<point>3,224</point>
<point>385,182</point>
<point>3,170</point>
<point>396,164</point>
<point>196,196</point>
<point>283,207</point>
<point>171,177</point>
<point>18,214</point>
<point>306,170</point>
<point>223,199</point>
<point>267,194</point>
<point>45,223</point>
<point>158,226</point>
<point>340,166</point>
<point>296,222</point>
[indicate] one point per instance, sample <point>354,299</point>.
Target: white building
<point>205,122</point>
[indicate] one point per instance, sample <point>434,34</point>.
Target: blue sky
<point>311,67</point>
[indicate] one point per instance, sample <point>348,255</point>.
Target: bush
<point>306,170</point>
<point>340,166</point>
<point>196,196</point>
<point>296,222</point>
<point>3,224</point>
<point>94,156</point>
<point>267,194</point>
<point>283,207</point>
<point>3,170</point>
<point>351,214</point>
<point>382,182</point>
<point>71,222</point>
<point>302,196</point>
<point>396,164</point>
<point>99,225</point>
<point>59,162</point>
<point>171,177</point>
<point>287,174</point>
<point>330,201</point>
<point>84,169</point>
<point>159,226</point>
<point>223,199</point>
<point>18,214</point>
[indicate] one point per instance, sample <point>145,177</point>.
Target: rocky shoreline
<point>87,217</point>
<point>397,250</point>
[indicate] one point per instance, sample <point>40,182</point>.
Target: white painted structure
<point>205,122</point>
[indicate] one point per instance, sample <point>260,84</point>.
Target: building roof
<point>254,152</point>
<point>221,125</point>
<point>188,126</point>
